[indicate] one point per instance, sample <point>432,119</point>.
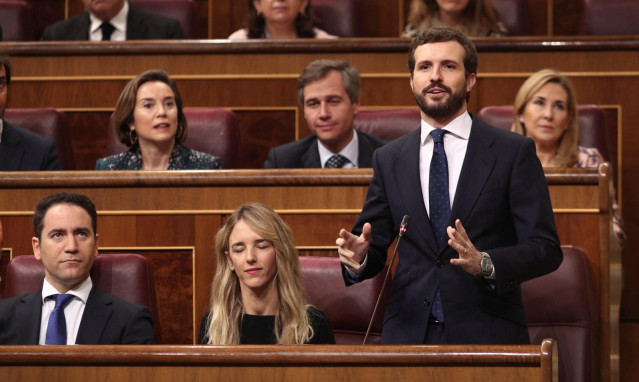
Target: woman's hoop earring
<point>133,137</point>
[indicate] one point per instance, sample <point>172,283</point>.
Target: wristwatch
<point>486,265</point>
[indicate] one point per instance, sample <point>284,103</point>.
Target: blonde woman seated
<point>545,110</point>
<point>257,294</point>
<point>279,19</point>
<point>148,118</point>
<point>477,18</point>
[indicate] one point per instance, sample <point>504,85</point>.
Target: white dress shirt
<point>72,312</point>
<point>118,21</point>
<point>455,145</point>
<point>351,152</point>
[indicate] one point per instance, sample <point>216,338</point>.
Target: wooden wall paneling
<point>566,17</point>
<point>260,130</point>
<point>74,7</point>
<point>383,18</point>
<point>88,135</point>
<point>45,13</point>
<point>5,257</point>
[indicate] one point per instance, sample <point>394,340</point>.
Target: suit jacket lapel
<point>11,154</point>
<point>310,158</point>
<point>29,315</point>
<point>478,164</point>
<point>135,25</point>
<point>364,151</point>
<point>408,177</point>
<point>96,314</point>
<point>81,30</point>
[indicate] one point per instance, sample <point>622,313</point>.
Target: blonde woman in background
<point>545,110</point>
<point>257,292</point>
<point>477,18</point>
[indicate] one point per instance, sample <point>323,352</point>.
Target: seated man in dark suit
<point>114,20</point>
<point>69,309</point>
<point>328,90</point>
<point>20,149</point>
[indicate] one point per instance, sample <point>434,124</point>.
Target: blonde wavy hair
<point>568,142</point>
<point>292,324</point>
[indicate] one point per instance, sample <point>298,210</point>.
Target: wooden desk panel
<point>249,363</point>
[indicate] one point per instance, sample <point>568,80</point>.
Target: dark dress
<point>260,330</point>
<point>182,158</point>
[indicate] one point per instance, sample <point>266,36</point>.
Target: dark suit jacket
<point>23,150</point>
<point>107,320</point>
<point>305,152</point>
<point>503,202</point>
<point>140,25</point>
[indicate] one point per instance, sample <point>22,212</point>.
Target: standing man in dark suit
<point>454,283</point>
<point>20,149</point>
<point>114,20</point>
<point>66,242</point>
<point>328,90</point>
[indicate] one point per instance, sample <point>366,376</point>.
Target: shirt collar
<point>118,21</point>
<point>1,127</point>
<point>81,292</point>
<point>459,127</point>
<point>351,151</point>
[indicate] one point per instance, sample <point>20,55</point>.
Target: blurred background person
<point>257,294</point>
<point>545,110</point>
<point>477,18</point>
<point>114,20</point>
<point>279,19</point>
<point>21,149</point>
<point>329,92</point>
<point>149,119</point>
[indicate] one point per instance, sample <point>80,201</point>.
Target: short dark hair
<point>444,34</point>
<point>319,69</point>
<point>123,114</point>
<point>62,198</point>
<point>4,61</point>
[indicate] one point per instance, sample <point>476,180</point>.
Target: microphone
<point>402,230</point>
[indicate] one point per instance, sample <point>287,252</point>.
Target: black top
<point>260,330</point>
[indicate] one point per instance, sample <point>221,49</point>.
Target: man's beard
<point>452,105</point>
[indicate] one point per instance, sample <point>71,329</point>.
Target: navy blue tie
<point>57,328</point>
<point>439,203</point>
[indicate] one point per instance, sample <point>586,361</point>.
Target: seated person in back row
<point>257,292</point>
<point>114,20</point>
<point>20,149</point>
<point>150,120</point>
<point>328,90</point>
<point>279,19</point>
<point>477,18</point>
<point>545,110</point>
<point>69,309</point>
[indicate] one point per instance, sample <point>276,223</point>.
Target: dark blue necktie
<point>439,203</point>
<point>57,328</point>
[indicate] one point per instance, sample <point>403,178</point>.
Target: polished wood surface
<point>171,217</point>
<point>248,363</point>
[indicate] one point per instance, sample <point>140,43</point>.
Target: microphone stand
<point>402,229</point>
